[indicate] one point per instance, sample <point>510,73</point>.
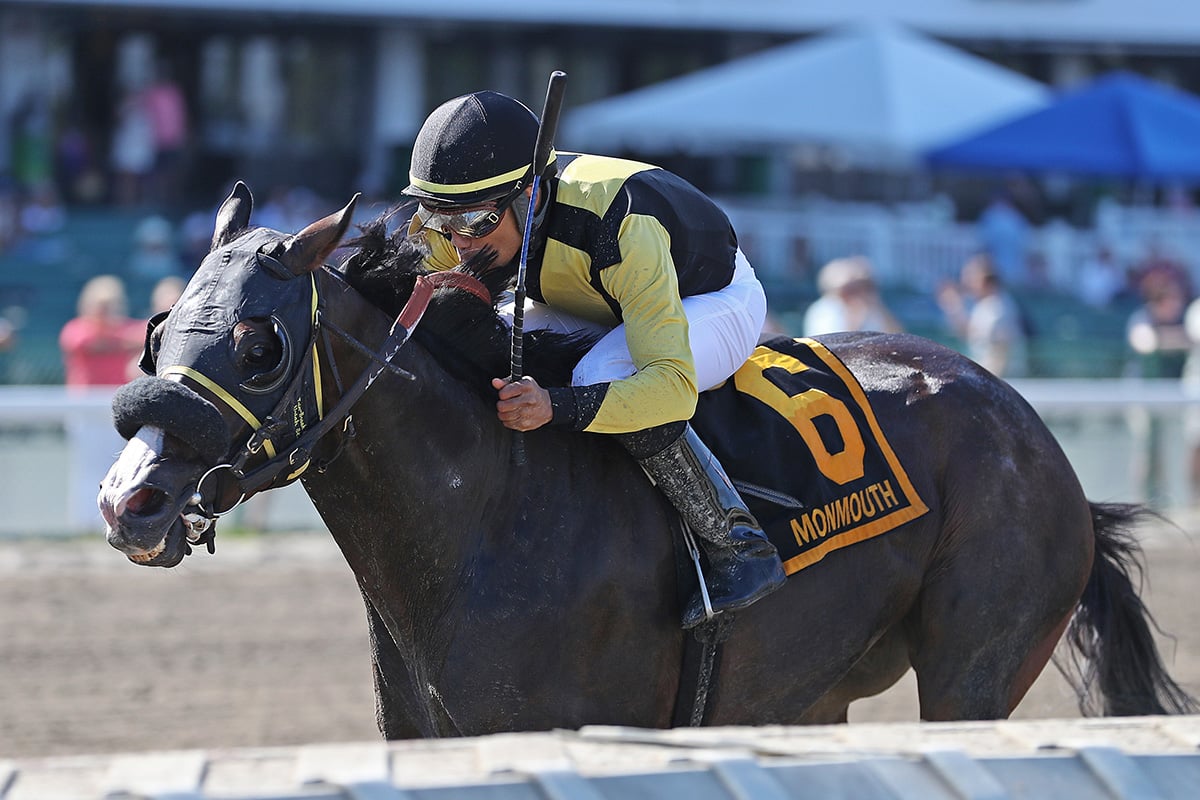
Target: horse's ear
<point>308,249</point>
<point>233,216</point>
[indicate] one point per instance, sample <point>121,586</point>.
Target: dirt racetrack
<point>265,644</point>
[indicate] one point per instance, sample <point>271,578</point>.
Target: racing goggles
<point>470,222</point>
<point>473,222</point>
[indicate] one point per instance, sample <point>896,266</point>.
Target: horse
<point>505,598</point>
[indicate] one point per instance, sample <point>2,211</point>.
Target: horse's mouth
<point>151,554</point>
<point>133,521</point>
<point>169,551</point>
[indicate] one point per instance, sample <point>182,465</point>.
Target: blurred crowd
<point>984,313</point>
<point>58,165</point>
<point>126,281</point>
<point>985,310</point>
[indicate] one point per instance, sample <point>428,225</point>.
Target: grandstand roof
<point>1150,22</point>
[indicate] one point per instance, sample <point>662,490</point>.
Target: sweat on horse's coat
<point>506,599</point>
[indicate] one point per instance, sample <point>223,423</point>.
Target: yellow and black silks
<point>794,420</point>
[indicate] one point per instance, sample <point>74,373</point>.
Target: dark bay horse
<point>503,598</point>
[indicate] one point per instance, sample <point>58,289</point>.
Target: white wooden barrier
<point>57,444</point>
<point>1127,439</point>
<point>1099,759</point>
<point>922,245</point>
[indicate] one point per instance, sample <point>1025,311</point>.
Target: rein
<point>294,458</point>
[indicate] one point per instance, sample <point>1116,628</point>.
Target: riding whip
<point>541,156</point>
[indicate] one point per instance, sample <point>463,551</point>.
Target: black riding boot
<point>743,564</point>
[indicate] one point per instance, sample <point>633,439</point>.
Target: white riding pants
<point>723,329</point>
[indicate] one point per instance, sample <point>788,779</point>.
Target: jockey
<point>629,251</point>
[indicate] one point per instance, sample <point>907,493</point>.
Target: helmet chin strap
<point>520,207</point>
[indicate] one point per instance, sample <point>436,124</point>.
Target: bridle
<point>288,442</point>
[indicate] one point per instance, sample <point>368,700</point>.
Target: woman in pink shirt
<point>100,344</point>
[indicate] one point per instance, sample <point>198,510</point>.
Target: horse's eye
<point>260,353</point>
<point>148,363</point>
<point>154,344</point>
<point>256,348</point>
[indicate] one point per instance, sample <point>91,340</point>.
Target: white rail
<point>57,444</point>
<point>921,246</point>
<point>1129,440</point>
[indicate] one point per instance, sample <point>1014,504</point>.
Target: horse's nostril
<point>145,501</point>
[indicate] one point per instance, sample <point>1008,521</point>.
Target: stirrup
<point>689,540</point>
<point>766,577</point>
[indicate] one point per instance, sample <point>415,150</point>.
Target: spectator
<point>987,318</point>
<point>1004,234</point>
<point>166,293</point>
<point>1157,266</point>
<point>849,300</point>
<point>32,154</point>
<point>8,334</point>
<point>99,344</point>
<point>166,109</point>
<point>132,153</point>
<point>8,341</point>
<point>1191,384</point>
<point>79,178</point>
<point>195,233</point>
<point>1158,338</point>
<point>10,214</point>
<point>42,219</point>
<point>1155,331</point>
<point>154,256</point>
<point>43,214</point>
<point>1101,279</point>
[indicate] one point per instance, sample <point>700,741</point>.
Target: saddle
<point>796,434</point>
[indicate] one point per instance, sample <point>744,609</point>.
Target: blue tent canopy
<point>1120,125</point>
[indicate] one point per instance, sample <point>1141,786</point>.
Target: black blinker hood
<point>239,281</point>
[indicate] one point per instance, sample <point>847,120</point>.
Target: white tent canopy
<point>878,93</point>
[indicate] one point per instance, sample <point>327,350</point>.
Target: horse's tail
<point>1110,634</point>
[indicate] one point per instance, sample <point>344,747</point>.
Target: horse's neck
<point>416,485</point>
<point>446,536</point>
<point>458,552</point>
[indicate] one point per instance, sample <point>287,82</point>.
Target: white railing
<point>57,444</point>
<point>1127,439</point>
<point>919,250</point>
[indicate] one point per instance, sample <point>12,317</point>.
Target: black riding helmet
<point>474,149</point>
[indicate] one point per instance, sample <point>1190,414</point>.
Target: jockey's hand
<point>523,405</point>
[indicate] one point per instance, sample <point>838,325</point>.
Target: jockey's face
<point>505,240</point>
<point>504,237</point>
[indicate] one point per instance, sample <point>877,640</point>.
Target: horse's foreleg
<point>395,708</point>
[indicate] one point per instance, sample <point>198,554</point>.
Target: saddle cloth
<point>793,420</point>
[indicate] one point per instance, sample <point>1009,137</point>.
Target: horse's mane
<point>466,336</point>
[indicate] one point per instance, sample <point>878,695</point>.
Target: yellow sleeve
<point>645,285</point>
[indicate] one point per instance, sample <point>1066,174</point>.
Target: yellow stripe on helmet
<point>464,188</point>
